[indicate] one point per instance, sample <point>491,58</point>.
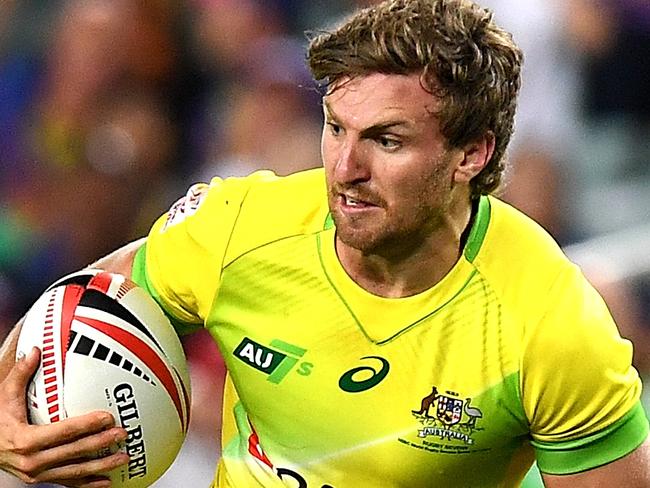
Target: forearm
<point>119,261</point>
<point>65,451</point>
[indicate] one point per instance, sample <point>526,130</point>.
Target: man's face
<point>389,175</point>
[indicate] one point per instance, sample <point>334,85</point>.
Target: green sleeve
<point>606,446</point>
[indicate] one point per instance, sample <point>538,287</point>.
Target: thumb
<point>15,385</point>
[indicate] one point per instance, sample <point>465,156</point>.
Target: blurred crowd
<point>109,110</point>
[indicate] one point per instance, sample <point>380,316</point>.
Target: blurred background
<point>109,110</point>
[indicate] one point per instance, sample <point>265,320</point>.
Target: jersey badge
<point>449,419</point>
<point>186,206</point>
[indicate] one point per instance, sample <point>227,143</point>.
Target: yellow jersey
<point>512,356</point>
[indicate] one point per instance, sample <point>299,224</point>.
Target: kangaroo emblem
<point>427,401</point>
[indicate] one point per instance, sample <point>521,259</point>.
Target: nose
<point>352,165</point>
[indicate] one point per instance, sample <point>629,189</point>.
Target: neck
<point>403,273</point>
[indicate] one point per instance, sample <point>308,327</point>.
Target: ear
<point>476,156</point>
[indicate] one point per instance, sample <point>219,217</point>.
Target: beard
<point>397,223</point>
<point>389,234</point>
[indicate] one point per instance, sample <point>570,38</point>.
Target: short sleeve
<point>579,388</point>
<point>183,256</point>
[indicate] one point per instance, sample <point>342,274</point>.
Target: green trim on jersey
<point>598,449</point>
<point>138,271</point>
<point>329,222</point>
<point>232,449</point>
<point>477,233</point>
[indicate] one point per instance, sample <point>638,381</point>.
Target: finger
<point>84,448</point>
<point>91,482</point>
<point>70,429</point>
<point>33,466</point>
<point>80,472</point>
<point>87,482</point>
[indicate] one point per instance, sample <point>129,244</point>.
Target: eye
<point>335,129</point>
<point>388,142</point>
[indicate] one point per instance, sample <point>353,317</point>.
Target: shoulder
<point>542,294</point>
<point>272,208</point>
<point>247,211</point>
<point>262,199</point>
<point>215,223</point>
<point>518,256</point>
<point>287,196</point>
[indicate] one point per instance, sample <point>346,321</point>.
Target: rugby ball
<point>106,345</point>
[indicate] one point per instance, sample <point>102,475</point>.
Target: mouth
<point>355,202</point>
<point>352,202</point>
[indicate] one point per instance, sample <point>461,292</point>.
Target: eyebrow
<point>373,129</point>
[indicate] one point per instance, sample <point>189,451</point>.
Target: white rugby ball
<point>106,345</point>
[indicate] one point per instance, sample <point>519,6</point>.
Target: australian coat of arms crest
<point>448,416</point>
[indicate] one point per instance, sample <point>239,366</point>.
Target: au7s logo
<point>276,361</point>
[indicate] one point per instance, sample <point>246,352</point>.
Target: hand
<point>56,453</point>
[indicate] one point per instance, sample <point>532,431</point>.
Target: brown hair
<point>464,58</point>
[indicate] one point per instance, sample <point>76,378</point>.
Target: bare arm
<point>121,260</point>
<point>631,471</point>
<point>54,453</point>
